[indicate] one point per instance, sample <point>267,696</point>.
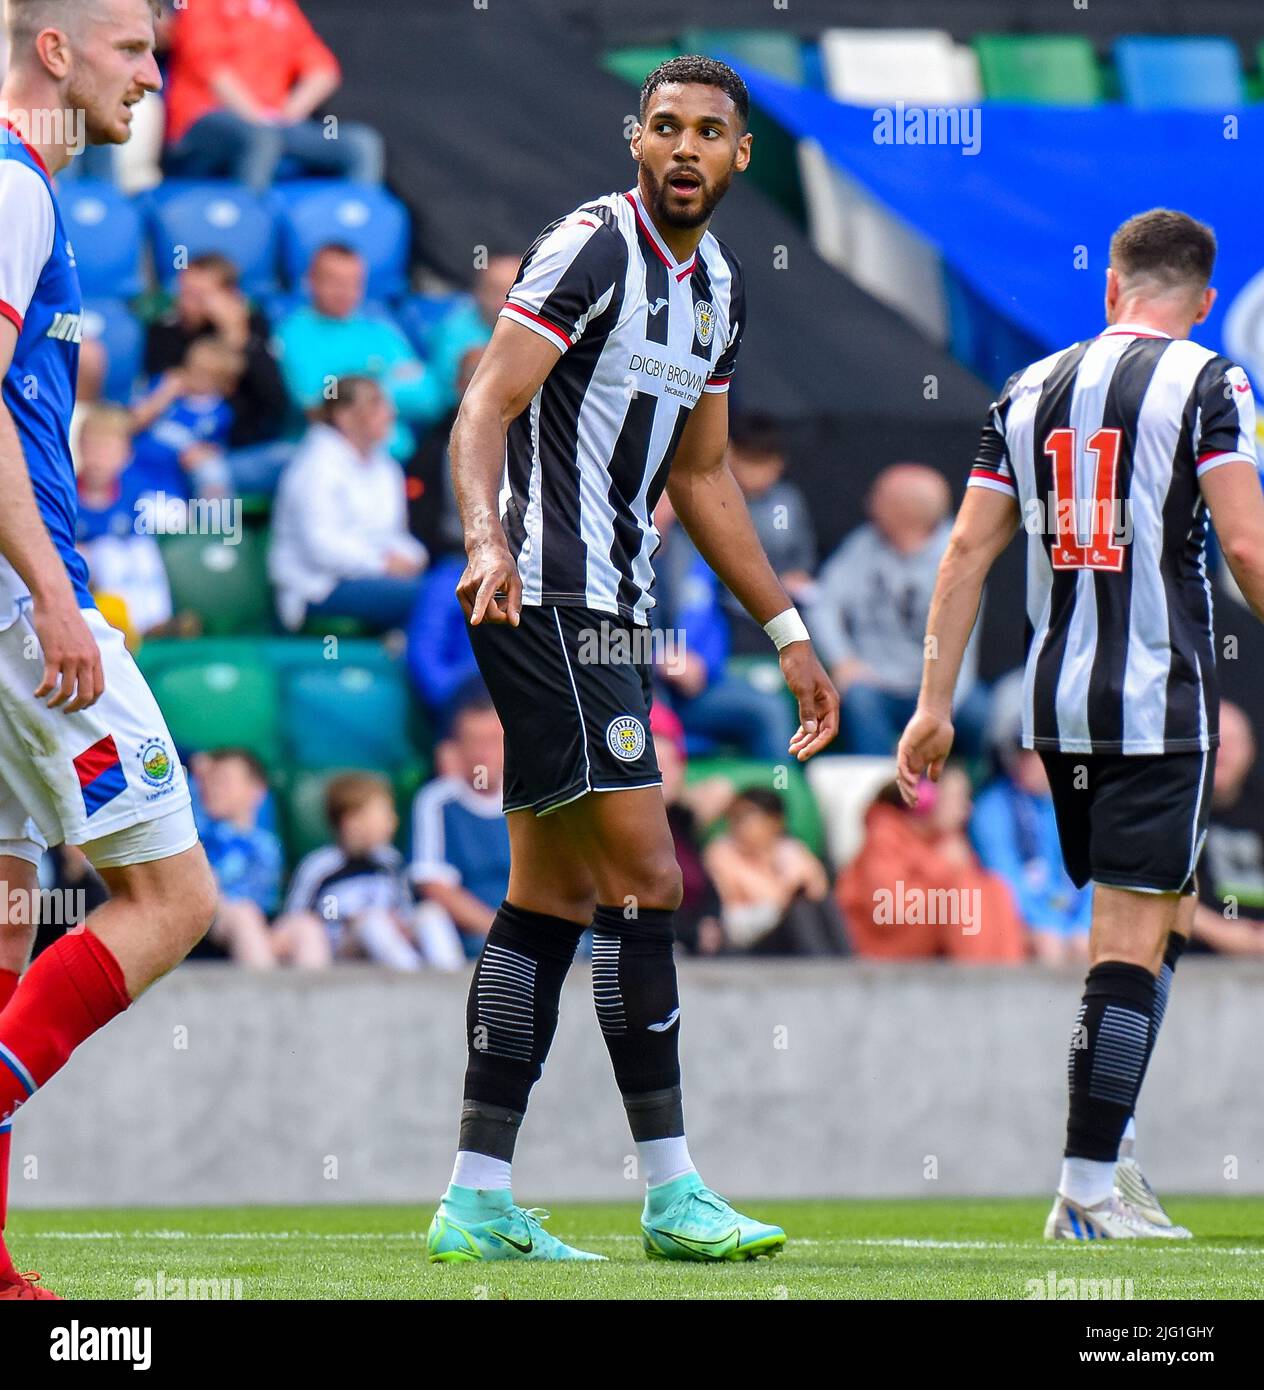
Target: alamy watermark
<point>902,906</point>
<point>929,125</point>
<point>44,126</point>
<point>612,644</point>
<point>158,514</point>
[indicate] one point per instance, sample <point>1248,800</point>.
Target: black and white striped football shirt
<point>642,336</point>
<point>1103,445</point>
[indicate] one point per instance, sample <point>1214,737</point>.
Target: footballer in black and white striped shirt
<point>605,383</point>
<point>1114,454</point>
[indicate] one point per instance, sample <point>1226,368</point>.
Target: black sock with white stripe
<point>1176,944</point>
<point>511,1016</point>
<point>1109,1048</point>
<point>638,1007</point>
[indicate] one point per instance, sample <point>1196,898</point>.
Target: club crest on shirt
<point>625,737</point>
<point>704,321</point>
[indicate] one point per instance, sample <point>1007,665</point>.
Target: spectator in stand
<point>340,542</point>
<point>460,866</point>
<point>1015,832</point>
<point>470,323</point>
<point>183,425</point>
<point>230,788</point>
<point>869,619</point>
<point>124,563</point>
<point>713,705</point>
<point>356,890</point>
<point>209,303</point>
<point>440,658</point>
<point>335,336</point>
<point>699,918</point>
<point>775,891</point>
<point>917,888</point>
<point>246,82</point>
<point>1229,917</point>
<point>783,522</point>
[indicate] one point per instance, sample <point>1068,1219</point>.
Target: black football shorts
<point>1132,821</point>
<point>572,688</point>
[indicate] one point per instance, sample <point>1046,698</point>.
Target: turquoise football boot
<point>472,1225</point>
<point>684,1220</point>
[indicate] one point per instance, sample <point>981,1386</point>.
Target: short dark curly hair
<point>708,72</point>
<point>1171,246</point>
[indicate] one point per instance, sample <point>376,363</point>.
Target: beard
<point>90,130</point>
<point>710,195</point>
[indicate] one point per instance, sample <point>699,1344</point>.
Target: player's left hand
<point>924,746</point>
<point>818,700</point>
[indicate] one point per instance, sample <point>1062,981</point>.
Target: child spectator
<point>775,891</point>
<point>460,837</point>
<point>917,889</point>
<point>357,890</point>
<point>185,423</point>
<point>125,566</point>
<point>230,789</point>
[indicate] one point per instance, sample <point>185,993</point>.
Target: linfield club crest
<point>157,766</point>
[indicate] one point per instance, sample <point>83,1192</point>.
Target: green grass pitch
<point>932,1248</point>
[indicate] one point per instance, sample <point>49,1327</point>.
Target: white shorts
<point>106,778</point>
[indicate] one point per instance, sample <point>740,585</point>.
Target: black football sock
<point>511,1016</point>
<point>638,1007</point>
<point>1176,944</point>
<point>1109,1048</point>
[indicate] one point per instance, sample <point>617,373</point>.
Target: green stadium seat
<point>634,64</point>
<point>276,653</point>
<point>803,816</point>
<point>226,585</point>
<point>211,704</point>
<point>1050,70</point>
<point>342,713</point>
<point>780,55</point>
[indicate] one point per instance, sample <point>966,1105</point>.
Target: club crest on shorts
<point>625,737</point>
<point>704,321</point>
<point>157,766</point>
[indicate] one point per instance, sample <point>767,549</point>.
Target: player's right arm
<point>72,662</point>
<point>511,371</point>
<point>1228,475</point>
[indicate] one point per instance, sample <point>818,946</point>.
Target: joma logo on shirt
<point>67,328</point>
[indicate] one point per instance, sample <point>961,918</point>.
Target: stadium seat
<point>189,218</point>
<point>226,585</point>
<point>420,314</point>
<point>346,714</point>
<point>112,323</point>
<point>219,703</point>
<point>106,232</point>
<point>275,653</point>
<point>803,818</point>
<point>778,54</point>
<point>370,219</point>
<point>843,788</point>
<point>873,67</point>
<point>635,63</point>
<point>1196,73</point>
<point>1049,69</point>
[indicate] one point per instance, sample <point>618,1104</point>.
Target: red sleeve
<point>201,40</point>
<point>310,52</point>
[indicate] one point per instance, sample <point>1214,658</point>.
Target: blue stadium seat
<point>206,216</point>
<point>340,713</point>
<point>105,230</point>
<point>114,324</point>
<point>370,219</point>
<point>1198,74</point>
<point>420,314</point>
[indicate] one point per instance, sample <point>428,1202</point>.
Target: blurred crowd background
<point>289,277</point>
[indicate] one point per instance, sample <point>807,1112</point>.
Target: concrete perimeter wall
<point>800,1079</point>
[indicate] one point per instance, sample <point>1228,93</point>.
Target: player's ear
<point>634,143</point>
<point>742,158</point>
<point>1112,289</point>
<point>1205,301</point>
<point>53,48</point>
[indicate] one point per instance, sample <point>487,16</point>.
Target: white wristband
<point>787,627</point>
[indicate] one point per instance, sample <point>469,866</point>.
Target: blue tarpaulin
<point>1026,221</point>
